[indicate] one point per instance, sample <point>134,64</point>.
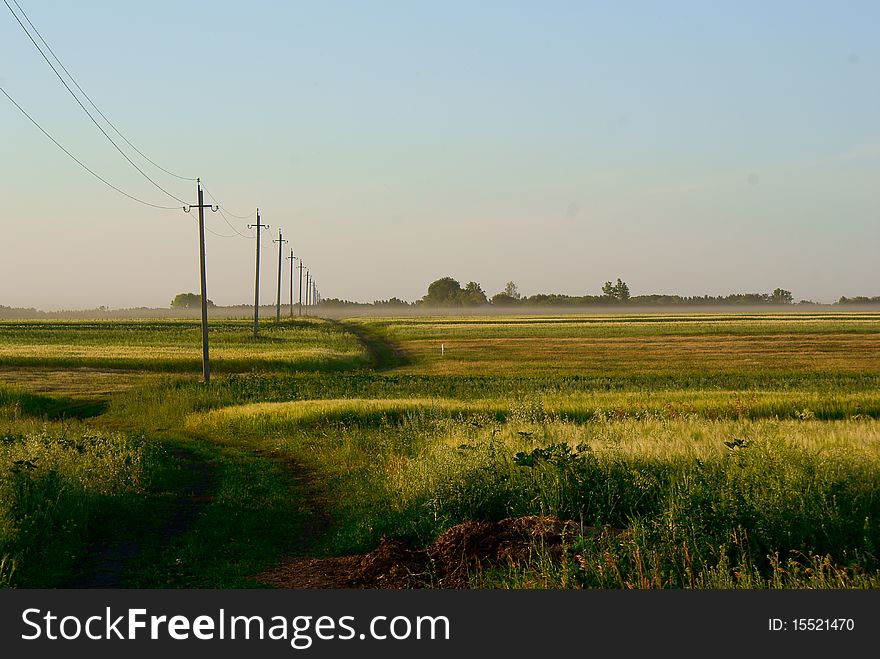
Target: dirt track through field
<point>384,353</point>
<point>106,564</point>
<point>107,561</point>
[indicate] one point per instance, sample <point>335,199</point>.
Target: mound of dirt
<point>446,563</point>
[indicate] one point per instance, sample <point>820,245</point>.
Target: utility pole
<point>307,287</point>
<point>300,307</point>
<point>206,364</point>
<point>257,226</point>
<point>292,268</point>
<point>280,242</point>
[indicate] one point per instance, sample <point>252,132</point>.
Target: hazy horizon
<point>687,148</point>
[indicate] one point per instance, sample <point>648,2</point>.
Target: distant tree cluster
<point>336,303</point>
<point>859,299</point>
<point>509,297</point>
<point>20,312</point>
<point>188,301</point>
<point>447,292</point>
<point>618,291</point>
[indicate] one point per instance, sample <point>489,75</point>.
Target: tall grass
<point>701,498</point>
<point>274,417</point>
<point>56,482</point>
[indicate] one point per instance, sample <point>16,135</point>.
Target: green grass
<point>255,515</point>
<point>363,424</point>
<point>65,485</point>
<point>797,488</point>
<point>59,484</point>
<point>624,346</point>
<point>175,346</point>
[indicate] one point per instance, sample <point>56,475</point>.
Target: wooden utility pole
<point>300,306</point>
<point>292,268</point>
<point>308,286</point>
<point>257,226</point>
<point>206,364</point>
<point>280,242</point>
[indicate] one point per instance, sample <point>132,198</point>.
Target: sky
<point>685,147</point>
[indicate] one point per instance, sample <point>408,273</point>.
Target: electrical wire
<point>240,217</point>
<point>85,109</point>
<point>226,219</point>
<point>92,103</point>
<point>80,162</point>
<point>207,228</point>
<point>219,235</point>
<point>237,232</point>
<point>115,129</point>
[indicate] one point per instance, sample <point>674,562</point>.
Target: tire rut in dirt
<point>106,563</point>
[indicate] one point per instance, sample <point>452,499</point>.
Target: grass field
<point>735,450</point>
<point>175,346</point>
<point>626,345</point>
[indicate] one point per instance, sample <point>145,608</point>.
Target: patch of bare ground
<point>446,563</point>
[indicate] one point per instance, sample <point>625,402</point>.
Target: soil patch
<point>446,563</point>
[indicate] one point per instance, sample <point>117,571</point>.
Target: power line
<point>88,98</point>
<point>223,215</point>
<point>239,217</point>
<point>85,109</point>
<point>211,231</point>
<point>226,219</point>
<point>80,162</point>
<point>222,207</point>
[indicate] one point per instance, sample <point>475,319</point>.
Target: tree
<point>511,291</point>
<point>188,301</point>
<point>504,300</point>
<point>781,296</point>
<point>443,292</point>
<point>473,295</point>
<point>509,297</point>
<point>618,291</point>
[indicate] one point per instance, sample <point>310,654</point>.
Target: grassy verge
<point>254,512</point>
<point>60,484</point>
<point>67,488</point>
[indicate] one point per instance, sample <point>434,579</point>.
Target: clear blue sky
<point>685,147</point>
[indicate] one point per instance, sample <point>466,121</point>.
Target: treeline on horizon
<point>447,292</point>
